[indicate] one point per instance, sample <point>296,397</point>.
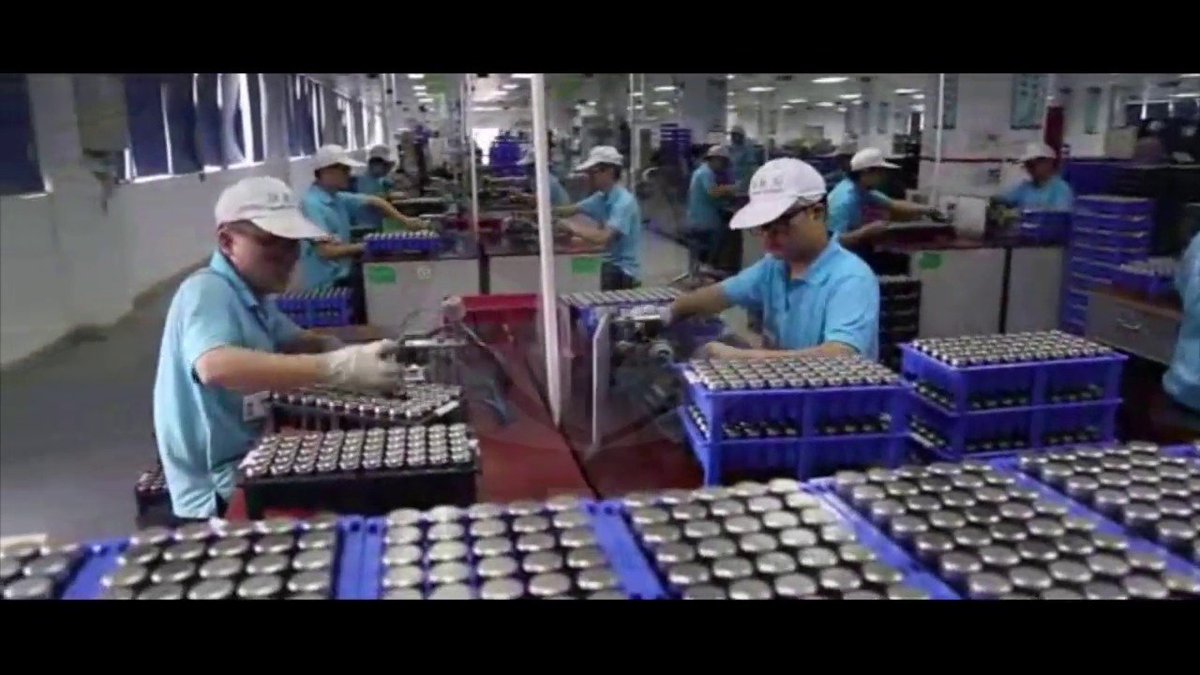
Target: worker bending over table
<point>225,345</point>
<point>1045,189</point>
<point>868,170</point>
<point>616,209</point>
<point>1182,379</point>
<point>816,297</point>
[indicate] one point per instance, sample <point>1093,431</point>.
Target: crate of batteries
<point>798,417</point>
<point>1153,277</point>
<point>369,471</point>
<point>315,309</point>
<point>632,307</point>
<point>326,409</point>
<point>899,315</point>
<point>1040,226</point>
<point>1107,231</point>
<point>1000,393</point>
<point>407,242</point>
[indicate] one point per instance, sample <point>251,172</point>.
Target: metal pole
<point>633,135</point>
<point>549,301</point>
<point>471,156</point>
<point>937,143</point>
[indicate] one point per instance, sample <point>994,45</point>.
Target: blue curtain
<point>147,130</point>
<point>19,170</point>
<point>208,119</point>
<point>181,123</point>
<point>254,80</point>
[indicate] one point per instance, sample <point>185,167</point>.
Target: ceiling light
<point>797,100</point>
<point>418,87</point>
<point>639,107</point>
<point>829,80</point>
<point>592,103</point>
<point>1190,75</point>
<point>841,108</point>
<point>416,76</point>
<point>510,86</point>
<point>786,106</point>
<point>825,104</point>
<point>857,102</point>
<point>661,103</point>
<point>635,93</point>
<point>920,107</point>
<point>522,76</point>
<point>1190,94</point>
<point>918,97</point>
<point>732,107</point>
<point>759,89</point>
<point>486,108</point>
<point>665,87</point>
<point>849,97</point>
<point>730,76</point>
<point>907,91</point>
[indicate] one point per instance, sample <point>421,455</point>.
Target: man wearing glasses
<point>816,297</point>
<point>225,346</point>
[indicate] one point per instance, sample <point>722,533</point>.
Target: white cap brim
<point>889,165</point>
<point>761,211</point>
<point>589,164</point>
<point>289,224</point>
<point>344,161</point>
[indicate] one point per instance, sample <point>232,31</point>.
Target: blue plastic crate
<point>1175,562</point>
<point>1097,269</point>
<point>637,580</point>
<point>100,558</point>
<point>794,455</point>
<point>1073,418</point>
<point>1114,205</point>
<point>1111,223</point>
<point>1135,242</point>
<point>1090,176</point>
<point>888,551</point>
<point>1085,282</point>
<point>1001,430</point>
<point>1108,254</point>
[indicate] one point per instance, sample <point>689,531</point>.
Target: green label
<point>380,274</point>
<point>929,261</point>
<point>585,266</point>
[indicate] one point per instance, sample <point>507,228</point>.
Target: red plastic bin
<point>488,312</point>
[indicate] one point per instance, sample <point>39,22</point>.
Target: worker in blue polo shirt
<point>705,225</point>
<point>847,199</point>
<point>743,156</point>
<point>558,194</point>
<point>616,209</point>
<point>225,346</point>
<point>1045,190</point>
<point>377,180</point>
<point>1182,379</point>
<point>816,297</point>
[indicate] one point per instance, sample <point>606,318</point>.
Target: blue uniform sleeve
<point>593,206</point>
<point>852,315</point>
<point>879,199</point>
<point>746,288</point>
<point>318,214</point>
<point>281,327</point>
<point>203,324</point>
<point>1063,199</point>
<point>841,214</point>
<point>558,194</point>
<point>1012,196</point>
<point>706,180</point>
<point>1187,277</point>
<point>355,199</point>
<point>622,220</point>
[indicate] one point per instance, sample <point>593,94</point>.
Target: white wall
<point>69,259</point>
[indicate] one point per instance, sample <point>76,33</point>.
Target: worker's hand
<point>368,366</point>
<point>453,309</point>
<point>326,343</point>
<point>872,230</point>
<point>719,350</point>
<point>937,216</point>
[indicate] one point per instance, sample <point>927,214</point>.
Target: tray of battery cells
<point>899,315</point>
<point>384,244</point>
<point>368,471</point>
<point>280,558</point>
<point>755,541</point>
<point>312,309</point>
<point>587,305</point>
<point>805,417</point>
<point>1149,493</point>
<point>1154,277</point>
<point>36,571</point>
<point>329,409</point>
<point>564,548</point>
<point>989,533</point>
<point>992,393</point>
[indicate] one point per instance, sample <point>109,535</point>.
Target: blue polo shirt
<point>1055,195</point>
<point>375,186</point>
<point>703,210</point>
<point>200,429</point>
<point>837,300</point>
<point>334,213</point>
<point>743,159</point>
<point>846,202</point>
<point>1182,379</point>
<point>618,210</point>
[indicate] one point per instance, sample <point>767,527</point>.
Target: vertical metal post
<point>467,103</point>
<point>937,143</point>
<point>549,301</point>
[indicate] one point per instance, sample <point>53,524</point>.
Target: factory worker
<point>327,203</point>
<point>377,181</point>
<point>868,170</point>
<point>816,297</point>
<point>1182,379</point>
<point>1045,189</point>
<point>616,209</point>
<point>844,153</point>
<point>225,345</point>
<point>743,156</point>
<point>558,194</point>
<point>704,201</point>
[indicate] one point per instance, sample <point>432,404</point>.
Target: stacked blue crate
<point>1154,277</point>
<point>1040,226</point>
<point>960,410</point>
<point>503,156</point>
<point>674,141</point>
<point>315,309</point>
<point>1106,232</point>
<point>383,244</point>
<point>807,430</point>
<point>1091,176</point>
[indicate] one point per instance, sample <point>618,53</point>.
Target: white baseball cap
<point>717,151</point>
<point>869,158</point>
<point>601,154</point>
<point>380,152</point>
<point>1037,150</point>
<point>332,155</point>
<point>776,187</point>
<point>269,204</point>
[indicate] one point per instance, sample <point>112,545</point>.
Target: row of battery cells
<point>413,447</point>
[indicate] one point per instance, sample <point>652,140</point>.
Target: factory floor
<point>75,423</point>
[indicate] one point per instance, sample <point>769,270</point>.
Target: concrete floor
<point>76,427</point>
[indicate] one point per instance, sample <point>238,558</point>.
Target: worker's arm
<point>566,211</point>
<point>721,191</point>
<point>247,370</point>
<point>719,350</point>
<point>336,250</point>
<point>900,209</point>
<point>592,205</point>
<point>863,235</point>
<point>385,207</point>
<point>592,235</point>
<point>310,342</point>
<point>704,301</point>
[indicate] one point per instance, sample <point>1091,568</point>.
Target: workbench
<point>406,291</point>
<point>514,268</point>
<point>1143,326</point>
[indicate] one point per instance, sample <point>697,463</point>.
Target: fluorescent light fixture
<point>920,107</point>
<point>825,104</point>
<point>730,76</point>
<point>635,93</point>
<point>522,76</point>
<point>665,87</point>
<point>486,108</point>
<point>841,108</point>
<point>849,97</point>
<point>903,90</point>
<point>661,103</point>
<point>418,87</point>
<point>797,100</point>
<point>856,102</point>
<point>759,89</point>
<point>918,97</point>
<point>1188,94</point>
<point>592,103</point>
<point>1190,75</point>
<point>639,107</point>
<point>732,107</point>
<point>416,76</point>
<point>510,86</point>
<point>786,106</point>
<point>829,80</point>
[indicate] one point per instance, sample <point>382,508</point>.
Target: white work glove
<point>328,343</point>
<point>453,309</point>
<point>366,366</point>
<point>664,315</point>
